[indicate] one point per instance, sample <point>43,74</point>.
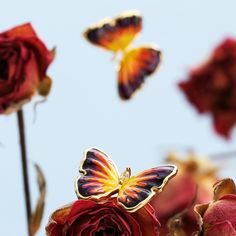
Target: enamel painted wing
<point>138,190</point>
<point>136,65</point>
<point>99,176</point>
<point>100,179</point>
<point>115,34</point>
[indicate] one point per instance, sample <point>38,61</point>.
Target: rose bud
<point>218,217</point>
<point>193,180</point>
<point>211,87</point>
<point>86,218</point>
<point>24,60</point>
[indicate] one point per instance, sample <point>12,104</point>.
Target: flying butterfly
<point>136,64</point>
<point>100,179</point>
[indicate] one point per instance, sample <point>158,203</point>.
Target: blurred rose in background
<point>211,87</point>
<point>194,179</point>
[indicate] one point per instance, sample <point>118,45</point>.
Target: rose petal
<point>223,187</point>
<point>25,30</point>
<point>56,221</point>
<point>149,223</point>
<point>86,217</point>
<point>224,122</point>
<point>27,59</point>
<point>221,229</point>
<point>199,211</point>
<point>211,87</point>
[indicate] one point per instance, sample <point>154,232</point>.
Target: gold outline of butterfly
<point>100,179</point>
<point>136,63</point>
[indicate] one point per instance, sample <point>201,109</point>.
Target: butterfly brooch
<point>100,179</point>
<point>136,64</point>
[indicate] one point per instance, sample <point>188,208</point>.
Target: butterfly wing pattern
<point>99,176</point>
<point>138,190</point>
<point>136,65</point>
<point>115,34</point>
<point>100,179</point>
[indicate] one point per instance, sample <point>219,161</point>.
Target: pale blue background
<point>84,110</point>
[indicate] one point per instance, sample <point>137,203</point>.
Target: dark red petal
<point>224,122</point>
<point>224,228</point>
<point>149,224</point>
<point>25,30</point>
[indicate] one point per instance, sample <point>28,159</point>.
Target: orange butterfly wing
<point>99,176</point>
<point>138,190</point>
<point>136,65</point>
<point>116,34</point>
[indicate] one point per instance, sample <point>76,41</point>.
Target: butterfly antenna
<point>128,170</point>
<point>125,175</point>
<point>115,57</point>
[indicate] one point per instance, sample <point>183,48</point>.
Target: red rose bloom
<point>24,60</point>
<point>212,87</point>
<point>218,217</point>
<point>179,195</point>
<point>87,218</point>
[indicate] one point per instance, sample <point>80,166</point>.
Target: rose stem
<point>21,127</point>
<point>223,155</point>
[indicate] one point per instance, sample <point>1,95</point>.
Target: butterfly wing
<point>115,34</point>
<point>136,65</point>
<point>139,189</point>
<point>99,176</point>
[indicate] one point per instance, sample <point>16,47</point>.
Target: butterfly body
<point>136,64</point>
<point>125,176</point>
<point>100,179</point>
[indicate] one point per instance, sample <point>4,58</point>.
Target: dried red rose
<point>178,197</point>
<point>211,87</point>
<point>24,60</point>
<point>87,218</point>
<point>218,217</point>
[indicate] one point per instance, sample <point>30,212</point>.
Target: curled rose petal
<point>174,207</point>
<point>218,216</point>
